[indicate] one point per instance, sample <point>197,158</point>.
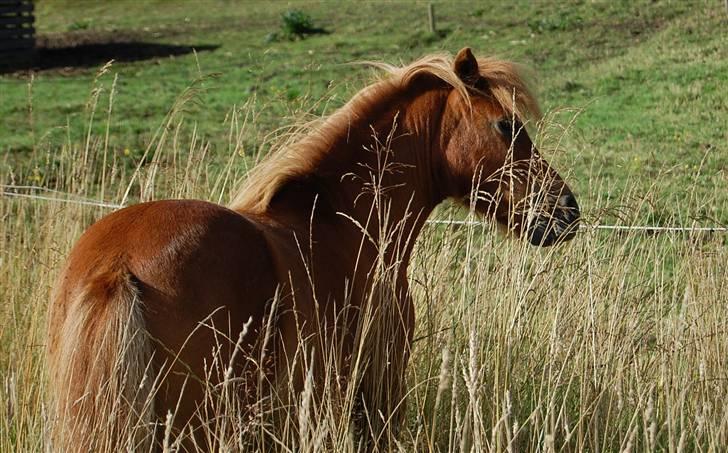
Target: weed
<point>298,24</point>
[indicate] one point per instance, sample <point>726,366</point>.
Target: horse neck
<point>377,184</point>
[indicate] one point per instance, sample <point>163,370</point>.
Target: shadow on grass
<point>89,55</point>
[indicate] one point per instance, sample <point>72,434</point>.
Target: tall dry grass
<point>614,342</point>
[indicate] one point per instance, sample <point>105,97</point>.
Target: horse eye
<point>508,126</point>
<point>505,127</point>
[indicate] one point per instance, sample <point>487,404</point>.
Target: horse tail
<point>99,355</point>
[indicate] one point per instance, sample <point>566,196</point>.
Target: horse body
<point>320,236</point>
<point>184,259</point>
<point>201,271</point>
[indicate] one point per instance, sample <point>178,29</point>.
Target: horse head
<point>490,162</point>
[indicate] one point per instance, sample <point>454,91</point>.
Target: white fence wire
<point>12,191</point>
<point>643,228</point>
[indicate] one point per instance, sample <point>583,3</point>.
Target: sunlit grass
<point>615,341</point>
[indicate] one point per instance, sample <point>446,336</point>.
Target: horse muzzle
<point>558,225</point>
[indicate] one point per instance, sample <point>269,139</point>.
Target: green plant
<point>562,21</point>
<point>297,24</point>
<point>81,24</point>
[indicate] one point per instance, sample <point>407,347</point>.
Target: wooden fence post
<point>431,17</point>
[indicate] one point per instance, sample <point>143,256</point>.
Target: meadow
<point>617,341</point>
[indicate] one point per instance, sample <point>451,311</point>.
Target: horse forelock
<point>301,151</point>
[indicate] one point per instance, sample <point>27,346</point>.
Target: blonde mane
<point>506,84</point>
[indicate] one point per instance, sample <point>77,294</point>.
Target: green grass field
<point>646,80</point>
<point>618,342</point>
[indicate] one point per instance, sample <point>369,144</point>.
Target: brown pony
<point>156,297</point>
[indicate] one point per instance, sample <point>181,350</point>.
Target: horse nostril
<point>568,203</point>
<point>570,209</point>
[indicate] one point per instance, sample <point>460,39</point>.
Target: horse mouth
<point>560,226</point>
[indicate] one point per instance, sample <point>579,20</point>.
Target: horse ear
<point>466,66</point>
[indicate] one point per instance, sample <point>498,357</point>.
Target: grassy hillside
<point>645,80</point>
<point>616,342</point>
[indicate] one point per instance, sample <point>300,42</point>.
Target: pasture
<point>616,341</point>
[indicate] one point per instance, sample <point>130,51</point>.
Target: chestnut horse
<point>155,296</point>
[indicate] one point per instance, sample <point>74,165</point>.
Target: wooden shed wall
<point>17,31</point>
